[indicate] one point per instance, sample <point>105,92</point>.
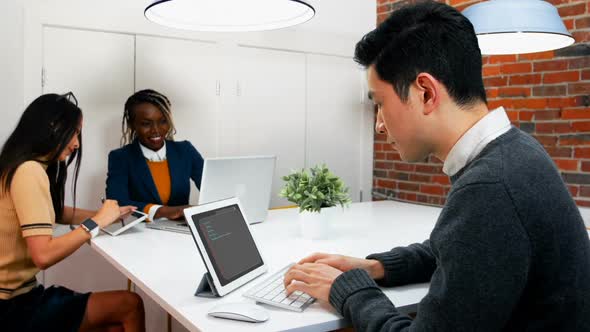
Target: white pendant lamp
<point>517,26</point>
<point>229,15</point>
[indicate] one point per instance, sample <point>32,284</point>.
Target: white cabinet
<point>188,73</point>
<point>267,110</point>
<point>334,118</point>
<point>245,101</point>
<point>98,68</point>
<point>11,65</point>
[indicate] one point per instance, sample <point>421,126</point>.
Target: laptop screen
<point>228,242</point>
<point>248,178</point>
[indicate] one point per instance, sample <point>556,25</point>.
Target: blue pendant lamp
<point>229,15</point>
<point>517,26</point>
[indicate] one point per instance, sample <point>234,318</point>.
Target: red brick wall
<point>545,94</point>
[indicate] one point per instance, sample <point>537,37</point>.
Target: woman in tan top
<point>33,171</point>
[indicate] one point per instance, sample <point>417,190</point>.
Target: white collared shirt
<point>152,155</point>
<point>490,127</point>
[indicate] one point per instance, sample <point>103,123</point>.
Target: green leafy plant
<point>315,190</point>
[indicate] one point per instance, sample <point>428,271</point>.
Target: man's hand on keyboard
<point>346,263</point>
<point>311,278</point>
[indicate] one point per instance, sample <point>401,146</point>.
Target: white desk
<point>168,268</point>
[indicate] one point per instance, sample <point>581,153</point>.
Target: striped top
<point>26,210</point>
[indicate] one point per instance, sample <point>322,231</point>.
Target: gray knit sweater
<point>509,252</point>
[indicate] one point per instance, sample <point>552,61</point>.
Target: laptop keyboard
<point>178,226</point>
<point>272,291</point>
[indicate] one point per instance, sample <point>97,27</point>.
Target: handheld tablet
<point>227,247</point>
<point>122,225</point>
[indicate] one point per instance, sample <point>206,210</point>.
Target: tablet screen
<point>228,242</point>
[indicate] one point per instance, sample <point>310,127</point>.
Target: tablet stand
<point>206,287</point>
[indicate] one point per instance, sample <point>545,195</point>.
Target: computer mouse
<point>243,311</point>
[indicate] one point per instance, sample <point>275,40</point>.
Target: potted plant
<point>315,193</point>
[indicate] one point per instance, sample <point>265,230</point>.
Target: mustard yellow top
<point>26,210</point>
<point>161,176</point>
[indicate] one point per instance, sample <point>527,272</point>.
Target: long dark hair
<point>42,133</point>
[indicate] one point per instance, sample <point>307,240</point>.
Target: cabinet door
<point>11,65</point>
<point>334,118</point>
<point>98,68</point>
<point>187,72</point>
<point>266,115</point>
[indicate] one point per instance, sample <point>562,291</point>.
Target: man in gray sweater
<point>509,251</point>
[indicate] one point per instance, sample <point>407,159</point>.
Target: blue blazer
<point>130,182</point>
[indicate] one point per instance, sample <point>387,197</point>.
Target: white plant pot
<point>316,225</point>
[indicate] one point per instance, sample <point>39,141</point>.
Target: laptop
<point>232,258</point>
<point>248,178</point>
<point>164,224</point>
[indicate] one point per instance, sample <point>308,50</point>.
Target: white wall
<point>335,29</point>
<point>585,212</point>
<point>11,64</point>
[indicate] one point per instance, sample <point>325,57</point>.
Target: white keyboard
<point>272,291</point>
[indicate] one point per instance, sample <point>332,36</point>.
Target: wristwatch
<point>91,227</point>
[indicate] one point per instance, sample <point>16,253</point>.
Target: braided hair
<point>145,96</point>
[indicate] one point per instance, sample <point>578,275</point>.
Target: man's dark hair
<point>426,37</point>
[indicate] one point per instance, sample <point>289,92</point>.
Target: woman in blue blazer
<point>151,170</point>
